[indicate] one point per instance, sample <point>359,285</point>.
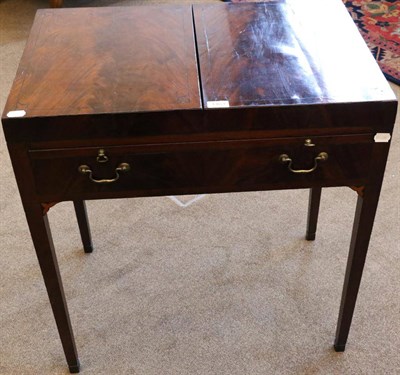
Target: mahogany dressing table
<point>162,100</point>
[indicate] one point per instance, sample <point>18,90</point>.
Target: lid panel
<point>279,52</point>
<point>108,60</point>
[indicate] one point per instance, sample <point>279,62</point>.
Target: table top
<point>283,52</point>
<point>106,60</point>
<point>110,60</point>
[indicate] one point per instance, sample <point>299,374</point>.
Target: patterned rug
<point>379,24</point>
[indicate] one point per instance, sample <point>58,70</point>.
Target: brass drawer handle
<point>284,158</point>
<point>85,169</point>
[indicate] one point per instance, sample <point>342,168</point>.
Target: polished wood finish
<point>201,167</point>
<point>280,53</point>
<point>126,59</point>
<point>193,125</point>
<point>42,240</point>
<point>362,228</point>
<point>141,83</point>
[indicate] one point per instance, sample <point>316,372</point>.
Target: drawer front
<point>203,167</point>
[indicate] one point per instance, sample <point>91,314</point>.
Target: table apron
<point>199,167</point>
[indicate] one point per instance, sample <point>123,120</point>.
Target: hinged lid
<point>284,52</point>
<point>107,60</point>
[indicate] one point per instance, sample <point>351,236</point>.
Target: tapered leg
<point>83,223</point>
<point>363,222</point>
<point>313,209</point>
<point>42,240</point>
<point>362,228</point>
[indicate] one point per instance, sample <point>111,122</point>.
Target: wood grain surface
<point>128,75</point>
<point>200,167</point>
<point>283,52</point>
<point>108,60</point>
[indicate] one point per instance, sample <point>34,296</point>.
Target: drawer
<point>200,167</point>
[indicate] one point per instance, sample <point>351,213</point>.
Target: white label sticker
<point>218,104</point>
<point>382,137</point>
<point>19,113</point>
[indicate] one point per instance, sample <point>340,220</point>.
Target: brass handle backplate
<point>285,159</point>
<point>85,169</point>
<point>308,143</point>
<point>101,156</point>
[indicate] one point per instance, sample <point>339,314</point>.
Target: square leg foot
<point>88,249</point>
<point>339,347</point>
<point>310,236</point>
<point>74,369</point>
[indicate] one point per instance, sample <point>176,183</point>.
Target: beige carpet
<point>227,285</point>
